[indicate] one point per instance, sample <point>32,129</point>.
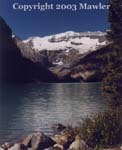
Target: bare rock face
<point>37,141</point>
<point>15,67</point>
<point>87,75</point>
<point>18,146</point>
<point>57,128</point>
<point>6,146</point>
<point>78,144</point>
<point>27,141</point>
<point>66,140</point>
<point>91,67</point>
<point>41,141</point>
<point>29,53</point>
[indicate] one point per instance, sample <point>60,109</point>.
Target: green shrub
<point>103,129</point>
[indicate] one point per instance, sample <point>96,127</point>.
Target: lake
<point>36,107</point>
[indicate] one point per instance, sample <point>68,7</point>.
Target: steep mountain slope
<point>92,66</point>
<point>64,57</point>
<point>14,67</point>
<point>62,52</point>
<point>66,44</point>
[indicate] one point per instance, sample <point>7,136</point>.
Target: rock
<point>18,146</point>
<point>111,148</point>
<point>6,146</point>
<point>70,134</point>
<point>86,75</point>
<point>54,148</point>
<point>29,53</point>
<point>50,148</point>
<point>14,66</point>
<point>90,68</point>
<point>57,128</point>
<point>61,141</point>
<point>27,140</point>
<point>78,144</point>
<point>41,141</point>
<point>58,147</point>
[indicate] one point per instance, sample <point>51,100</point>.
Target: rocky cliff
<point>14,66</point>
<point>91,67</point>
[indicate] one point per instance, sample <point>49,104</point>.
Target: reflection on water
<point>29,108</point>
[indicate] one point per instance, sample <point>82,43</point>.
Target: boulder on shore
<point>78,144</point>
<point>41,141</point>
<point>18,146</point>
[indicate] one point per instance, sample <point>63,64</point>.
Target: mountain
<point>64,57</point>
<point>82,41</point>
<point>14,66</point>
<point>62,52</point>
<point>65,44</point>
<point>92,67</point>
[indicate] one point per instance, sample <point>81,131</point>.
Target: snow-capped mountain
<point>62,53</point>
<point>65,57</point>
<point>80,41</point>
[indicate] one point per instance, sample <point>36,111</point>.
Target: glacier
<point>80,41</point>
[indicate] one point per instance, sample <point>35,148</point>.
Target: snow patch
<point>84,41</point>
<point>13,35</point>
<point>58,63</point>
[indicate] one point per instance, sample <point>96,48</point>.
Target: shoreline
<point>64,138</point>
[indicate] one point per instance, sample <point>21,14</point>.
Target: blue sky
<point>36,23</point>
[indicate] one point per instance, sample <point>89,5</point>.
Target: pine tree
<point>112,83</point>
<point>115,20</point>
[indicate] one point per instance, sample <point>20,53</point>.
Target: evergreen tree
<point>112,83</point>
<point>115,20</point>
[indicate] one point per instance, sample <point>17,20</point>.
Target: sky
<point>37,23</point>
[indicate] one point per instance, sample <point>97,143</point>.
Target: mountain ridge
<point>81,41</point>
<point>63,52</point>
<point>65,57</point>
